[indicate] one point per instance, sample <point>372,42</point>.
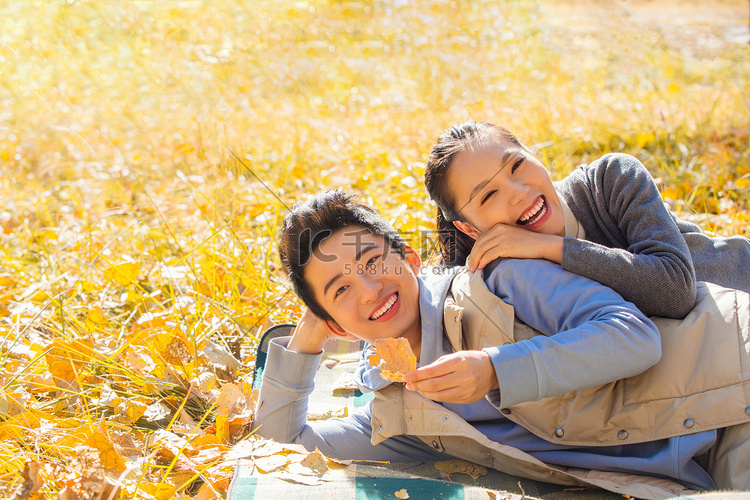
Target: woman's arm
<point>618,204</point>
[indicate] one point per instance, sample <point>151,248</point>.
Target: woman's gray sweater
<point>637,247</point>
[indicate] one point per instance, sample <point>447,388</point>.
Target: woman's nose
<point>519,192</point>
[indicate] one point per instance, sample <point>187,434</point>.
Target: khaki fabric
<point>729,459</point>
<point>701,382</point>
<point>703,375</point>
<point>397,411</point>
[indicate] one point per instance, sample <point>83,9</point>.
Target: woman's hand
<point>512,241</point>
<point>460,377</point>
<point>310,335</point>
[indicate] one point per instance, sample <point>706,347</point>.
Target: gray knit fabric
<point>637,247</point>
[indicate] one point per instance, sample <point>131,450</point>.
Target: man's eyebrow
<point>331,282</point>
<point>366,247</point>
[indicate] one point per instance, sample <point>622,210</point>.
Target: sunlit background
<point>148,151</point>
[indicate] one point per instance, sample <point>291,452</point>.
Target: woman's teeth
<point>386,307</point>
<point>533,215</point>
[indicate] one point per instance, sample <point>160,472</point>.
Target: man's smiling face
<point>367,287</point>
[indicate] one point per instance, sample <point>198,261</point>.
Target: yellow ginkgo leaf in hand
<point>394,357</point>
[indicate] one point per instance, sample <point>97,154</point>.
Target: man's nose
<point>370,287</point>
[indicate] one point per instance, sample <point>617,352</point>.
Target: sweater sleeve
<point>634,245</point>
<point>591,336</point>
<point>282,415</point>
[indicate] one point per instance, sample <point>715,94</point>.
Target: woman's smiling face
<point>498,182</point>
<point>367,287</point>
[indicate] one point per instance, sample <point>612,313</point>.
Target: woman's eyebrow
<point>507,156</point>
<point>479,187</point>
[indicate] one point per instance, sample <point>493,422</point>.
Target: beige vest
<point>700,383</point>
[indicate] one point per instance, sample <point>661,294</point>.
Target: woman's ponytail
<point>455,246</point>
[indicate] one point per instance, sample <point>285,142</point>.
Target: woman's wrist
<point>553,250</point>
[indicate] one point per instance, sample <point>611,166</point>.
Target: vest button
<point>689,423</point>
<point>435,445</point>
<point>623,434</point>
<point>559,432</point>
<point>445,418</point>
<point>505,411</point>
<point>455,319</point>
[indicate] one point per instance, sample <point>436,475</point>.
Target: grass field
<point>148,151</point>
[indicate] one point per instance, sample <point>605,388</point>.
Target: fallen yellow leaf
<point>461,467</point>
<point>129,410</point>
<point>162,491</point>
<point>66,359</point>
<point>315,461</point>
<point>123,273</point>
<point>31,481</point>
<point>108,455</point>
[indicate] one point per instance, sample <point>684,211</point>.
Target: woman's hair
<point>309,224</point>
<point>455,246</point>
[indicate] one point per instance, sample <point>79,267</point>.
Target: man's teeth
<point>536,212</point>
<point>386,307</point>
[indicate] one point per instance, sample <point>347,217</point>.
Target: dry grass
<point>149,149</point>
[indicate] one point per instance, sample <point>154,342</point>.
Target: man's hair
<point>309,224</point>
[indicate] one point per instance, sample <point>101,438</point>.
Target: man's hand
<point>511,241</point>
<point>461,377</point>
<point>310,335</point>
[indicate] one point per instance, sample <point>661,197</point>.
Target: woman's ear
<point>467,229</point>
<point>339,333</point>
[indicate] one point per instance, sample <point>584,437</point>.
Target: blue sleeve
<point>282,415</point>
<point>591,335</point>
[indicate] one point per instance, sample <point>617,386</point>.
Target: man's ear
<point>412,257</point>
<point>339,333</point>
<point>467,229</point>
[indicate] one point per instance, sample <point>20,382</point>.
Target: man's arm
<point>282,414</point>
<point>592,336</point>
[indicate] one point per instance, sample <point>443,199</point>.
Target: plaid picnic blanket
<point>363,481</point>
<point>335,394</point>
